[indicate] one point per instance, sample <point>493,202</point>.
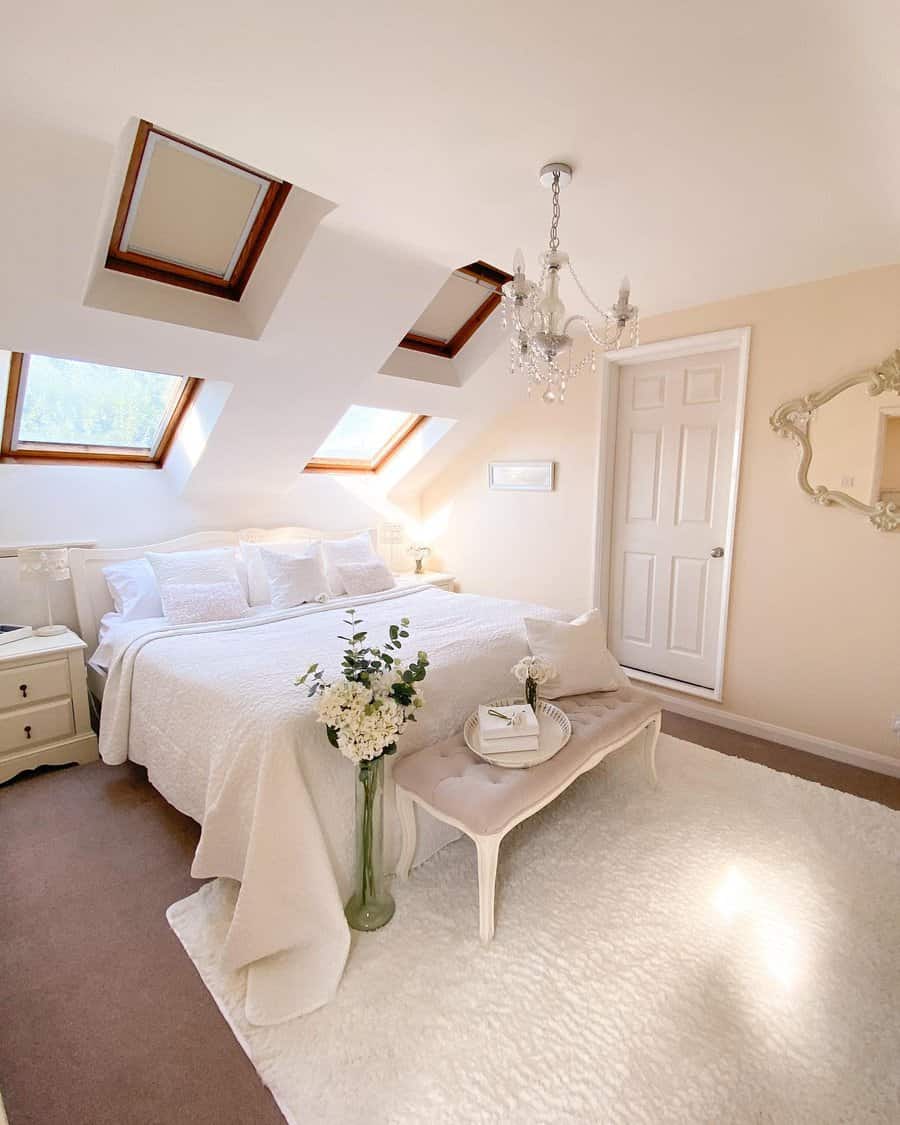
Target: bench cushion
<point>484,799</point>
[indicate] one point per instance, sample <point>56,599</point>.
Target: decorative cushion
<point>258,579</point>
<point>293,580</point>
<point>188,603</point>
<point>338,552</point>
<point>365,578</point>
<point>133,589</point>
<point>577,649</point>
<point>484,798</point>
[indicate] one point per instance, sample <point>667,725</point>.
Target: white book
<point>515,720</point>
<point>511,745</point>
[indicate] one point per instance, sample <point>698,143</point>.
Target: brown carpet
<point>103,1019</point>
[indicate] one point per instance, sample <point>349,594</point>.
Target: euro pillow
<point>258,579</point>
<point>577,649</point>
<point>191,603</point>
<point>217,564</point>
<point>345,552</point>
<point>365,578</point>
<point>133,589</point>
<point>293,580</point>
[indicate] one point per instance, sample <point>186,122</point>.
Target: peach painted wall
<point>814,634</point>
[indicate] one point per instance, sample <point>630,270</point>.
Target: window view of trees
<point>72,403</point>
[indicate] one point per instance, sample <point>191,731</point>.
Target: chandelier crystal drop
<point>541,347</point>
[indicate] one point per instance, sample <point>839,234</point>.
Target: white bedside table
<point>44,716</point>
<point>427,578</point>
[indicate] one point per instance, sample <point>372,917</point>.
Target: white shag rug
<point>722,950</point>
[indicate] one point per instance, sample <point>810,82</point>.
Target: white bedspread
<point>213,713</point>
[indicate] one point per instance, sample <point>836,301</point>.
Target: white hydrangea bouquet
<point>533,672</point>
<point>364,713</point>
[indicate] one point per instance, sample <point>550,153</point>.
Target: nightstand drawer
<point>30,726</point>
<point>30,683</point>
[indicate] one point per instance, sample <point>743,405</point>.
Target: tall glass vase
<point>531,693</point>
<point>370,906</point>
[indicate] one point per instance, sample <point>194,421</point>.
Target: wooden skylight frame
<point>493,279</point>
<point>12,450</point>
<point>251,242</point>
<point>373,464</point>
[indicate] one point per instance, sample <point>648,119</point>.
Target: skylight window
<point>363,440</point>
<point>63,409</point>
<point>191,217</point>
<point>459,308</point>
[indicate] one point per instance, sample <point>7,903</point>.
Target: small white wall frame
<point>613,362</point>
<point>522,476</point>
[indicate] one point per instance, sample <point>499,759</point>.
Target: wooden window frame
<point>157,269</point>
<point>52,454</point>
<point>483,272</point>
<point>390,447</point>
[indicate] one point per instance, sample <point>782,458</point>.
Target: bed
<point>212,712</point>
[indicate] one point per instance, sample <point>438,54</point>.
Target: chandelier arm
<point>592,331</point>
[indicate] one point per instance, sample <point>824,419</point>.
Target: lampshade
<point>44,564</point>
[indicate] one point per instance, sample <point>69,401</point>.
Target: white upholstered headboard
<point>92,598</point>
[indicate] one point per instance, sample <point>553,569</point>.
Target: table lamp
<point>46,565</point>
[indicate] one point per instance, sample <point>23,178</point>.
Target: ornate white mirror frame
<point>792,418</point>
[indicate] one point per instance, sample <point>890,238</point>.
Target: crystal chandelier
<point>540,347</point>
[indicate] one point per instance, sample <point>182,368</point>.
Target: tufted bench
<point>486,801</point>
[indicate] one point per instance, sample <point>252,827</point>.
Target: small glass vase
<point>531,693</point>
<point>370,906</point>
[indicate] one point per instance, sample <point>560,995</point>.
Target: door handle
<point>717,552</point>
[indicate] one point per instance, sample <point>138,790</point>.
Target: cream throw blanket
<point>213,713</point>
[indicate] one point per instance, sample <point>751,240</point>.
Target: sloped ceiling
<point>718,149</point>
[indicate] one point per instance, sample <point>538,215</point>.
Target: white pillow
<point>257,577</point>
<point>189,603</point>
<point>340,552</point>
<point>365,578</point>
<point>184,567</point>
<point>293,580</point>
<point>577,649</point>
<point>133,589</point>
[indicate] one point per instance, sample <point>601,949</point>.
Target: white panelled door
<point>676,427</point>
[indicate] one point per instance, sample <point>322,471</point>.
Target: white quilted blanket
<point>213,713</point>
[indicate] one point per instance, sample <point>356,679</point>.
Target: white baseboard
<point>797,740</point>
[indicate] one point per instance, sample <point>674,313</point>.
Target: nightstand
<point>44,715</point>
<point>427,578</point>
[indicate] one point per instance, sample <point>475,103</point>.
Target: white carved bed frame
<point>92,597</point>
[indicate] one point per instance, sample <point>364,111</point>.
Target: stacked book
<point>507,729</point>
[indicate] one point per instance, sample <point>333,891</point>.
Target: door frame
<point>737,339</point>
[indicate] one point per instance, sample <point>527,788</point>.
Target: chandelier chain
<point>554,222</point>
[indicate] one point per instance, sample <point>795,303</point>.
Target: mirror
<point>849,439</point>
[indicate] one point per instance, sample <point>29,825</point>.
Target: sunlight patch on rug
<point>725,948</point>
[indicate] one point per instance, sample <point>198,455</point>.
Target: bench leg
<point>651,734</point>
<point>407,814</point>
<point>488,848</point>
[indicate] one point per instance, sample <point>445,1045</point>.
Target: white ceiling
<point>718,149</point>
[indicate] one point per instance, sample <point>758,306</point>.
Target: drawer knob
<point>28,732</point>
<point>23,688</point>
